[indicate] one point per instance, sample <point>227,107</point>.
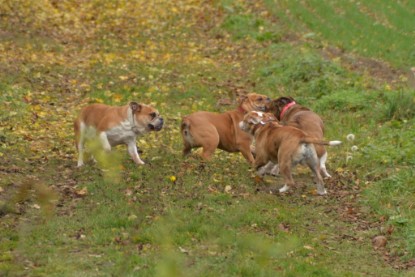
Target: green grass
<point>179,216</point>
<point>381,30</point>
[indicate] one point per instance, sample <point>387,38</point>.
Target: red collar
<point>240,109</point>
<point>286,107</point>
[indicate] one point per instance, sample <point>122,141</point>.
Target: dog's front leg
<point>260,166</point>
<point>246,152</point>
<point>270,168</point>
<point>80,145</point>
<point>104,141</point>
<point>132,150</point>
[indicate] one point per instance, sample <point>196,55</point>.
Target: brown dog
<point>212,130</point>
<point>286,146</point>
<point>115,125</point>
<point>288,112</point>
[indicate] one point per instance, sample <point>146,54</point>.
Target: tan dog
<point>283,145</point>
<point>212,130</point>
<point>115,125</point>
<point>288,112</point>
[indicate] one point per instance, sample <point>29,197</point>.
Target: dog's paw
<point>285,188</point>
<point>262,171</point>
<point>275,171</point>
<point>322,192</point>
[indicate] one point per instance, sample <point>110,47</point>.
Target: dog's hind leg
<point>285,170</point>
<point>209,140</point>
<point>313,164</point>
<point>187,137</point>
<point>187,148</point>
<point>209,148</point>
<point>323,169</point>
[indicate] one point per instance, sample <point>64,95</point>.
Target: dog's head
<point>145,118</point>
<point>277,105</point>
<point>252,120</point>
<point>254,102</point>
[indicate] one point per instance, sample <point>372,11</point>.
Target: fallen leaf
<point>132,217</point>
<point>82,192</point>
<point>183,250</point>
<point>379,242</point>
<point>284,227</point>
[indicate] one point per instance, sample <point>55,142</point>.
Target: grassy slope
<point>214,219</point>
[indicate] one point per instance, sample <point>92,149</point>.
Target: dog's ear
<point>282,101</point>
<point>135,107</point>
<point>241,98</point>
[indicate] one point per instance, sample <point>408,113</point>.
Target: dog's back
<point>309,122</point>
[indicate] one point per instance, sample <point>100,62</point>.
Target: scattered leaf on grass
<point>379,242</point>
<point>284,227</point>
<point>82,192</point>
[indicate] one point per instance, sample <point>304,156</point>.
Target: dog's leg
<point>285,170</point>
<point>104,141</point>
<point>132,150</point>
<point>246,152</point>
<point>187,137</point>
<point>323,169</point>
<point>187,148</point>
<point>80,141</point>
<point>209,145</point>
<point>260,165</point>
<point>275,170</point>
<point>269,168</point>
<point>314,165</point>
<point>253,149</point>
<point>319,182</point>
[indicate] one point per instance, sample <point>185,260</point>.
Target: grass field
<point>178,216</point>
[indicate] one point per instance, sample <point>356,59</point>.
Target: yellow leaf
<point>82,192</point>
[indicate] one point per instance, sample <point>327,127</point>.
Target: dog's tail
<point>185,127</point>
<point>321,142</point>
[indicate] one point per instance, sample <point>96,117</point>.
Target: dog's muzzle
<point>157,126</point>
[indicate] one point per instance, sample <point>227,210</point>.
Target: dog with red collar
<point>213,130</point>
<point>290,113</point>
<point>114,125</point>
<point>284,145</point>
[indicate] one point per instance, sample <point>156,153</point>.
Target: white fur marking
<point>335,142</point>
<point>104,141</point>
<point>323,169</point>
<point>81,144</point>
<point>122,133</point>
<point>324,192</point>
<point>284,188</point>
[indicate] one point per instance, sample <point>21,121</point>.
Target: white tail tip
<point>335,142</point>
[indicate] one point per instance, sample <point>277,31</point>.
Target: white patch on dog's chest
<point>120,134</point>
